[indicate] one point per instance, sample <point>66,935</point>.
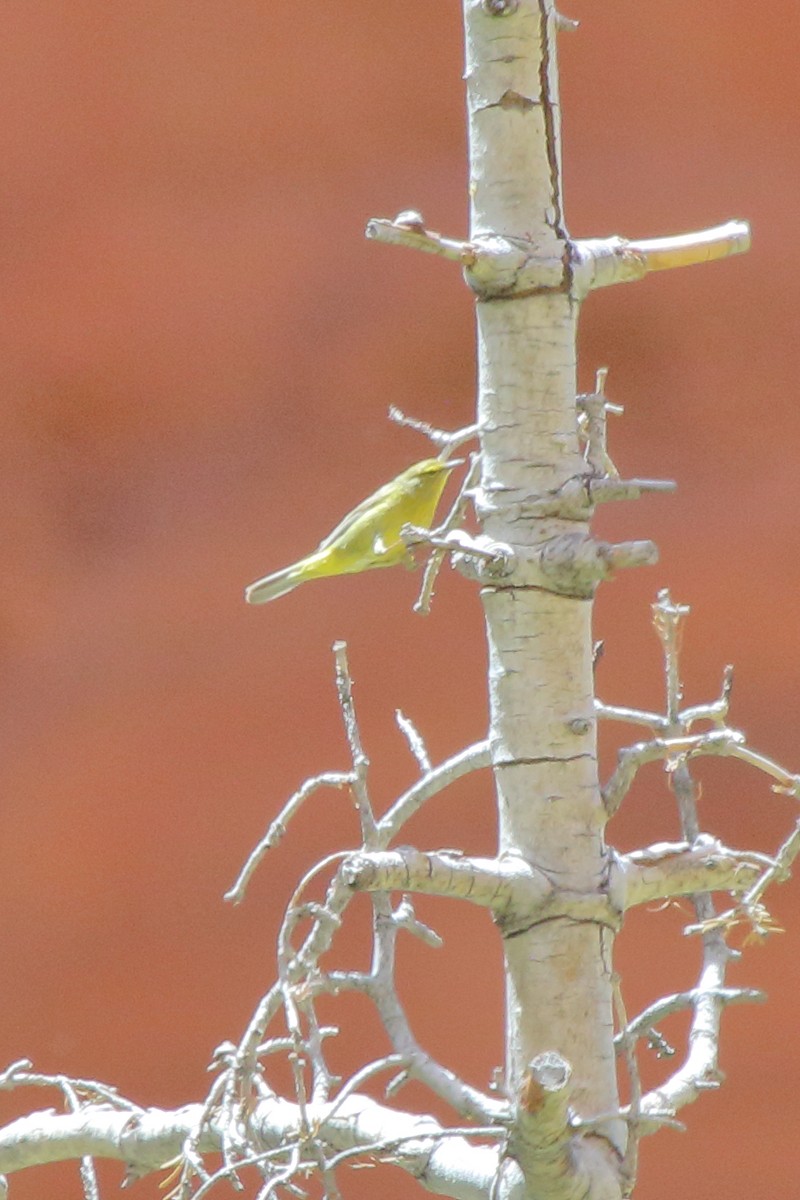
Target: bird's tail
<point>272,586</point>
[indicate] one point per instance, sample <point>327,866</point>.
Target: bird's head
<point>431,468</point>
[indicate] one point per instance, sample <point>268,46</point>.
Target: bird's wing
<point>366,508</point>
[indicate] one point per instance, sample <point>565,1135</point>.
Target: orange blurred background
<point>198,352</point>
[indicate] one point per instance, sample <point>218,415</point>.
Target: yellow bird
<point>369,536</point>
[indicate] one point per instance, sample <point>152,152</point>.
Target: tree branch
<point>151,1140</point>
<point>678,869</point>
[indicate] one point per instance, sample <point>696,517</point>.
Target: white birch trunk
<point>543,730</point>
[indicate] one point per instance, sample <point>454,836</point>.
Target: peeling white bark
<point>542,733</point>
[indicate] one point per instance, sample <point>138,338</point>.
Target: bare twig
<point>632,716</point>
<point>405,918</point>
<point>699,1070</point>
<point>360,1077</point>
<point>414,739</point>
<point>277,829</point>
<point>592,410</point>
<point>408,229</point>
<point>474,758</point>
<point>453,518</point>
<point>642,1025</point>
<point>446,442</point>
<point>21,1074</point>
<point>344,686</point>
<point>630,1162</point>
<point>673,749</point>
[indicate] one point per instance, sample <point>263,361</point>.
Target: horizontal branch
<point>408,229</point>
<point>575,499</point>
<point>678,869</point>
<point>603,261</point>
<point>146,1141</point>
<point>487,882</point>
<point>750,909</point>
<point>496,266</point>
<point>693,249</point>
<point>151,1140</point>
<point>517,893</point>
<point>569,564</point>
<point>632,716</point>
